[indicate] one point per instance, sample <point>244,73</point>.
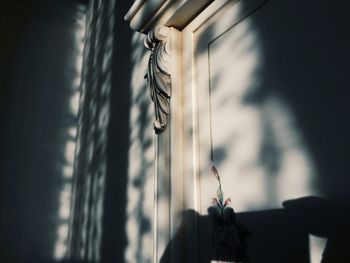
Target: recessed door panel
<point>238,125</point>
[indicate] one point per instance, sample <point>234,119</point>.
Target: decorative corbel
<point>158,75</point>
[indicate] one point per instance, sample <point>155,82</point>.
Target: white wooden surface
<point>223,51</point>
<point>169,157</point>
<point>220,50</point>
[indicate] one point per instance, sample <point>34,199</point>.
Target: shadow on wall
<point>256,139</point>
<point>303,69</point>
<point>103,140</point>
<point>38,125</point>
<point>304,47</point>
<point>305,56</point>
<point>141,161</point>
<point>279,235</point>
<point>39,132</point>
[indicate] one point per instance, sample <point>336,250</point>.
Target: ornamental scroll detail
<point>158,75</point>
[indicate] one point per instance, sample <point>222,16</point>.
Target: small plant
<point>218,201</point>
<point>229,237</point>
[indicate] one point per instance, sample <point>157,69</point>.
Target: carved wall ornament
<point>158,75</point>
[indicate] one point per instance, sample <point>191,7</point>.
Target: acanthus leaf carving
<point>158,75</point>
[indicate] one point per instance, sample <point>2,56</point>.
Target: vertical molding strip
<point>155,204</point>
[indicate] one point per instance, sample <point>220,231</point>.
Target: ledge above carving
<point>144,15</point>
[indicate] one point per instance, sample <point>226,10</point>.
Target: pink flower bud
<point>215,201</point>
<point>215,172</point>
<point>227,201</point>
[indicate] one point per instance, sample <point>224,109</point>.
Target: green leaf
<point>220,195</point>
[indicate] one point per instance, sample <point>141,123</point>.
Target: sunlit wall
<point>140,187</point>
<point>247,126</point>
<point>93,107</point>
<point>60,249</point>
<point>273,100</point>
<point>254,135</point>
<point>259,147</point>
<point>43,72</point>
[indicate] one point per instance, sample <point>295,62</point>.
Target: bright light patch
<point>67,171</point>
<point>74,103</point>
<point>65,202</point>
<point>69,152</point>
<point>72,132</point>
<point>141,161</point>
<point>60,249</point>
<point>76,82</point>
<point>317,246</point>
<point>63,232</point>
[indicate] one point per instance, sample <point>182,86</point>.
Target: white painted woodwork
<point>168,173</point>
<point>219,50</point>
<point>144,15</point>
<point>222,49</point>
